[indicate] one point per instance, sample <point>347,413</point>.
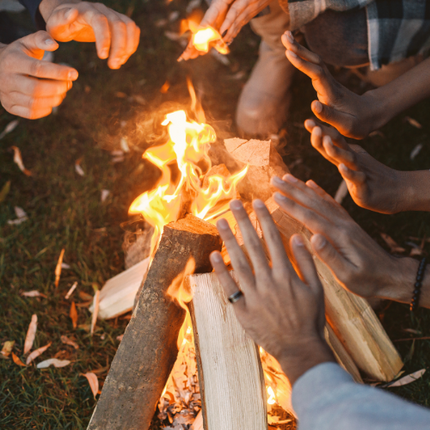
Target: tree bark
<point>148,350</point>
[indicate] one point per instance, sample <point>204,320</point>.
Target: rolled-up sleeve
<point>326,398</point>
<point>33,8</point>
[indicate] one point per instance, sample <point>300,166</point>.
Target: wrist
<point>303,356</point>
<point>414,190</point>
<point>377,111</point>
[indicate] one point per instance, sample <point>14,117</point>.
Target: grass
<point>65,210</point>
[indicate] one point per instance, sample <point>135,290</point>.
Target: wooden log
<point>351,318</point>
<point>230,373</point>
<point>148,349</point>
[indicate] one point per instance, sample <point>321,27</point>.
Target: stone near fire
<point>148,349</point>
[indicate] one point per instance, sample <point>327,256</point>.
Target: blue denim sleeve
<point>326,398</point>
<point>33,8</point>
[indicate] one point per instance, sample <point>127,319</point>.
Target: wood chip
<point>33,293</point>
<point>416,151</point>
<point>394,247</point>
<point>31,334</point>
<point>78,167</point>
<point>73,315</point>
<point>17,158</point>
<point>21,216</point>
<point>58,268</point>
<point>124,144</point>
<point>96,311</point>
<point>407,379</point>
<point>70,292</point>
<point>413,122</point>
<point>37,352</point>
<point>68,341</point>
<point>341,192</point>
<point>104,195</point>
<point>53,362</point>
<point>93,381</point>
<point>17,361</point>
<point>9,128</point>
<point>7,348</point>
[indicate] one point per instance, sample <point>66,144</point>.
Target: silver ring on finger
<point>235,296</point>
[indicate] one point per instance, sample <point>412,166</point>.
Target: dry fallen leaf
<point>73,315</point>
<point>70,342</point>
<point>4,191</point>
<point>413,122</point>
<point>124,144</point>
<point>341,192</point>
<point>78,167</point>
<point>93,381</point>
<point>9,128</point>
<point>52,362</point>
<point>65,265</point>
<point>394,247</point>
<point>32,293</point>
<point>416,151</point>
<point>18,161</point>
<point>21,216</point>
<point>7,348</point>
<point>104,196</point>
<point>31,334</point>
<point>70,292</point>
<point>37,352</point>
<point>85,296</point>
<point>407,379</point>
<point>16,360</point>
<point>58,268</point>
<point>96,311</point>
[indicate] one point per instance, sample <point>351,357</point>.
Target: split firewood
<point>148,349</point>
<point>264,162</point>
<point>137,241</point>
<point>230,373</point>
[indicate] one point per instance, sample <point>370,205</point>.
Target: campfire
<point>183,349</point>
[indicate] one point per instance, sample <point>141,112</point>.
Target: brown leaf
<point>73,315</point>
<point>70,342</point>
<point>96,311</point>
<point>7,348</point>
<point>84,296</point>
<point>31,334</point>
<point>413,122</point>
<point>394,247</point>
<point>37,352</point>
<point>16,360</point>
<point>93,381</point>
<point>58,268</point>
<point>53,362</point>
<point>18,161</point>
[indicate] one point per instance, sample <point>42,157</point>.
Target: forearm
<point>401,287</point>
<point>416,190</point>
<point>400,94</point>
<point>326,398</point>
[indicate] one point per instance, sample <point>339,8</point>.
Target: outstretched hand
<point>116,35</point>
<point>29,86</point>
<point>356,260</point>
<point>283,311</point>
<point>371,184</point>
<point>352,115</point>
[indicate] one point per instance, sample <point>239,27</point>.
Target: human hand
<point>352,115</point>
<point>29,86</point>
<point>283,311</point>
<point>116,35</point>
<point>227,16</point>
<point>356,260</point>
<point>371,184</point>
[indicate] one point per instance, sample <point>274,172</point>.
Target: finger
<point>40,87</point>
<point>239,15</point>
<point>133,35</point>
<point>317,189</point>
<point>357,177</point>
<point>238,260</point>
<point>305,265</point>
<point>229,285</point>
<point>340,155</point>
<point>317,143</point>
<point>42,69</point>
<point>272,238</point>
<point>28,113</point>
<point>339,120</point>
<point>291,44</point>
<point>34,104</point>
<point>328,254</point>
<point>99,17</point>
<point>250,238</point>
<point>35,44</point>
<point>335,136</point>
<point>59,23</point>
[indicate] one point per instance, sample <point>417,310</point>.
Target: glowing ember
<point>188,148</point>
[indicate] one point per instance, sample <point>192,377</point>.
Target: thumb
<point>39,42</point>
<point>339,120</point>
<point>326,252</point>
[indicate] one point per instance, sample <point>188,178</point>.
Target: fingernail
<point>236,204</point>
<point>292,53</point>
<point>290,36</point>
<point>49,42</point>
<point>277,180</point>
<point>298,241</point>
<point>216,257</point>
<point>258,204</point>
<point>104,53</point>
<point>222,224</point>
<point>318,107</point>
<point>290,178</point>
<point>73,75</point>
<point>310,123</point>
<point>319,241</point>
<point>280,197</point>
<point>311,184</point>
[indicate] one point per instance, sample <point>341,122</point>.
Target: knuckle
<point>36,68</point>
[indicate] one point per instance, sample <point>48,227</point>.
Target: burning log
<point>230,373</point>
<point>148,350</point>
